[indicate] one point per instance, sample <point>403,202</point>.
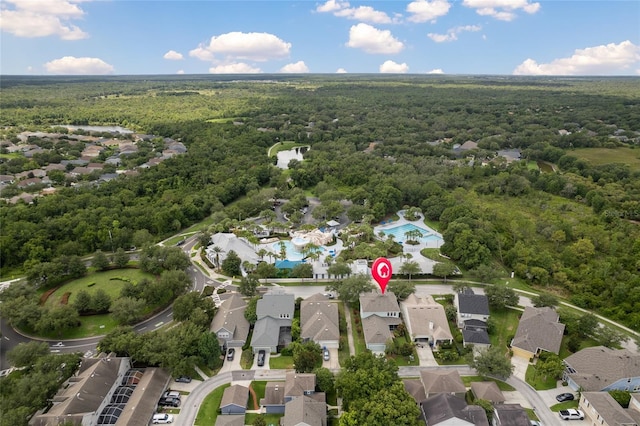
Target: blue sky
<point>524,37</point>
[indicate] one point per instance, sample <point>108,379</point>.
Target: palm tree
<point>217,250</point>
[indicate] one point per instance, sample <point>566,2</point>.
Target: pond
<point>292,154</point>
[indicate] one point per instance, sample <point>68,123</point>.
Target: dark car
<point>565,397</point>
<point>261,356</point>
<point>183,379</point>
<point>230,353</point>
<point>181,242</point>
<point>171,402</point>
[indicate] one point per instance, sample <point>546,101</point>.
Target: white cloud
<point>70,65</point>
<point>436,71</point>
<point>297,67</point>
<point>452,33</point>
<point>172,55</point>
<point>341,71</point>
<point>180,72</point>
<point>504,10</point>
<point>425,10</point>
<point>373,40</point>
<point>332,6</point>
<point>605,59</point>
<point>394,68</point>
<point>361,13</point>
<point>235,68</point>
<point>31,18</point>
<point>246,46</point>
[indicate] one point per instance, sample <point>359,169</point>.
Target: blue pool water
<point>399,233</point>
<point>292,253</point>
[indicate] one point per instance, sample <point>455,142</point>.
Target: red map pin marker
<point>381,272</point>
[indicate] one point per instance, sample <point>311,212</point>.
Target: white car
<point>571,414</point>
<point>171,394</point>
<point>162,419</point>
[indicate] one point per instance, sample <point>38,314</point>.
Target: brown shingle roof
<point>235,395</point>
<point>599,366</point>
<point>438,381</point>
<point>487,390</point>
<point>539,329</point>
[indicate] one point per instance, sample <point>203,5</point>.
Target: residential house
<point>229,324</point>
<point>470,307</point>
<point>472,316</point>
<point>510,415</point>
<point>304,411</point>
<point>26,197</point>
<point>600,408</point>
<point>450,410</point>
<point>488,391</point>
<point>29,182</point>
<point>6,179</point>
<point>468,145</point>
<point>426,320</point>
<point>442,381</point>
<point>415,388</point>
<point>539,330</point>
<point>296,385</point>
<point>380,314</point>
<point>600,368</point>
<point>106,390</point>
<point>319,321</point>
<point>273,327</point>
<point>234,400</point>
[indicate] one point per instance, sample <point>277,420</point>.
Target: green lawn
<point>537,381</point>
<point>506,324</point>
<point>343,353</point>
<point>358,334</point>
<point>259,386</point>
<point>281,362</point>
<point>208,412</point>
<point>503,386</point>
<point>600,156</point>
<point>110,281</point>
<point>564,405</point>
<point>271,419</point>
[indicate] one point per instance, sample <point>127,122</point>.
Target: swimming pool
<point>399,233</point>
<point>292,252</point>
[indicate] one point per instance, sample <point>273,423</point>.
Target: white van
<point>162,419</point>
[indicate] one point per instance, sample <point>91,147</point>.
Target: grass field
<point>506,324</point>
<point>108,281</point>
<point>503,386</point>
<point>599,156</point>
<point>208,412</point>
<point>281,362</point>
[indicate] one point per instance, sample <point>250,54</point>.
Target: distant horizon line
<point>302,75</point>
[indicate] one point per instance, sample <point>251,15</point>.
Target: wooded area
<point>381,142</point>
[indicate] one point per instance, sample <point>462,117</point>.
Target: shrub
<point>287,351</point>
<point>222,290</point>
<point>208,291</point>
<point>91,284</point>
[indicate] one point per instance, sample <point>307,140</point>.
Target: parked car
<point>261,356</point>
<point>571,414</point>
<point>183,379</point>
<point>535,423</point>
<point>325,354</point>
<point>169,402</point>
<point>171,394</point>
<point>162,419</point>
<point>181,242</point>
<point>565,397</point>
<point>230,353</point>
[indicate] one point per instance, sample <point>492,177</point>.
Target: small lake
<point>111,129</point>
<point>292,154</point>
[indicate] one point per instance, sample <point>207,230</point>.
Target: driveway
<point>333,359</point>
<point>425,356</point>
<point>234,364</point>
<point>266,362</point>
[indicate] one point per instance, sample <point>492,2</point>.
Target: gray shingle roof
<point>608,408</point>
<point>296,384</point>
<point>511,415</point>
<point>305,411</point>
<point>266,331</point>
<point>476,337</point>
<point>443,407</point>
<point>471,303</point>
<point>376,329</point>
<point>231,317</point>
<point>439,381</point>
<point>319,320</point>
<point>377,302</point>
<point>425,317</point>
<point>487,390</point>
<point>276,305</point>
<point>598,366</point>
<point>539,329</point>
<point>235,395</point>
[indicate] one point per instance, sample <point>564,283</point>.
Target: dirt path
<point>254,398</point>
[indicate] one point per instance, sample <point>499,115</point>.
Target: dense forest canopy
<point>381,142</point>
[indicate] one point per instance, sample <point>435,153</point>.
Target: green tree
<point>550,366</point>
<point>100,261</point>
<point>307,356</point>
<point>544,299</point>
<point>486,406</point>
<point>339,269</point>
<point>26,354</point>
<point>325,379</point>
<point>127,310</point>
<point>83,302</point>
<point>121,258</point>
<point>302,270</point>
<point>259,421</point>
<point>362,377</point>
<point>622,397</point>
<point>491,362</point>
<point>409,268</point>
<point>444,270</point>
<point>57,320</point>
<point>248,285</point>
<point>250,312</point>
<point>402,289</point>
<point>231,264</point>
<point>185,304</point>
<point>501,296</point>
<point>390,406</point>
<point>100,302</point>
<point>209,350</point>
<point>350,289</point>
